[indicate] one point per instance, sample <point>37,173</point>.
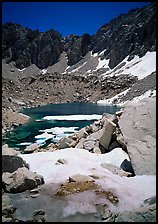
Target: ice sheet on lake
<point>74,117</point>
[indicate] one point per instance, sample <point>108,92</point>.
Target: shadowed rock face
<point>130,34</point>
<point>26,47</point>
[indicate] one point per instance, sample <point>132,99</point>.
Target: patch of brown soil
<point>76,187</point>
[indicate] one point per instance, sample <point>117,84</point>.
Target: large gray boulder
<point>109,128</point>
<point>9,151</point>
<point>31,148</point>
<point>21,180</point>
<point>92,140</point>
<point>10,163</point>
<point>138,126</point>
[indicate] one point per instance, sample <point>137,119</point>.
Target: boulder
<point>96,150</point>
<point>94,127</point>
<point>121,141</point>
<point>9,151</point>
<point>21,180</point>
<point>108,129</point>
<point>31,148</point>
<point>138,126</point>
<point>127,166</point>
<point>11,163</point>
<point>64,143</point>
<point>80,143</point>
<point>111,117</point>
<point>82,133</point>
<point>92,140</point>
<point>80,178</point>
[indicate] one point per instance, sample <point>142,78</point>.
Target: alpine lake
<point>50,123</point>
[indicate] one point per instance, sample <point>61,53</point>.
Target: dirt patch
<point>76,187</point>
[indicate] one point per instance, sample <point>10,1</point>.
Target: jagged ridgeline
<point>130,34</point>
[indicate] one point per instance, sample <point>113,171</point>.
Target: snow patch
<point>67,68</point>
<point>131,192</point>
<point>138,66</point>
<point>21,70</point>
<point>102,52</point>
<point>78,161</point>
<point>94,55</point>
<point>43,71</point>
<point>103,63</point>
<point>144,67</point>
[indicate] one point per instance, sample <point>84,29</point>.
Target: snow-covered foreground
<point>131,191</point>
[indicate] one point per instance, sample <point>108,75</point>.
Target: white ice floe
<point>24,143</point>
<point>131,191</point>
<point>60,130</point>
<point>43,137</point>
<point>57,133</point>
<point>79,117</point>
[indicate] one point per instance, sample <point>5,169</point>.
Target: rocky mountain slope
<point>129,34</point>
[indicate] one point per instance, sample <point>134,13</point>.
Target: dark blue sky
<point>65,17</point>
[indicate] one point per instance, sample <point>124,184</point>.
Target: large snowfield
<point>131,191</point>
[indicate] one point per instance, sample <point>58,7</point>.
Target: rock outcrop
<point>16,176</point>
<point>138,126</point>
<point>25,46</point>
<point>21,180</point>
<point>127,34</point>
<point>10,160</point>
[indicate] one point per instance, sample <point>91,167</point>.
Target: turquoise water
<point>34,129</point>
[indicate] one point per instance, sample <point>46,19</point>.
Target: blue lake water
<point>52,122</point>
